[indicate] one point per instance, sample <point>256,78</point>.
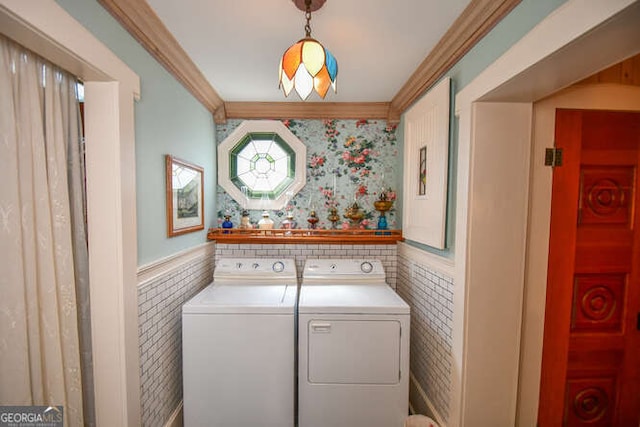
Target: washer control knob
<point>366,267</point>
<point>255,265</point>
<point>278,266</point>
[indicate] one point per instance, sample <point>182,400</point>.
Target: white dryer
<point>238,346</point>
<point>353,332</point>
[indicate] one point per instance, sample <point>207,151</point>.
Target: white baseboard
<point>433,412</point>
<point>176,417</point>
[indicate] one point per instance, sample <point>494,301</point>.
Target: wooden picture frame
<point>185,196</point>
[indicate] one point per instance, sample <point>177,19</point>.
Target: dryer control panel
<point>327,271</point>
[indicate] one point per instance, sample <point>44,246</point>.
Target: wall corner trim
<point>423,395</point>
<point>176,416</point>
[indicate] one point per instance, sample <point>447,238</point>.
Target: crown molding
<point>307,110</point>
<point>478,18</point>
<point>137,17</point>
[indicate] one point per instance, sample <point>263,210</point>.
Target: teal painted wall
<point>168,120</point>
<point>504,35</point>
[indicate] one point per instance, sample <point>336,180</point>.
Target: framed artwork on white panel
<point>426,160</point>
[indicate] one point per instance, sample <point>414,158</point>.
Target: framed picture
<point>422,178</point>
<point>185,196</point>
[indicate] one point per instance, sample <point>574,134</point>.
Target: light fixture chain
<point>307,27</point>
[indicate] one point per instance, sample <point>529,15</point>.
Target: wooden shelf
<point>305,236</point>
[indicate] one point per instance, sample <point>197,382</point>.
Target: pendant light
<point>307,65</point>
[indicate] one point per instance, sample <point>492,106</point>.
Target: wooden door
<point>591,353</point>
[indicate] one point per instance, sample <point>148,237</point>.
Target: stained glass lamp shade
<point>307,65</point>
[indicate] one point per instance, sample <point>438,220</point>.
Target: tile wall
<point>430,295</point>
<point>385,253</point>
<point>160,301</point>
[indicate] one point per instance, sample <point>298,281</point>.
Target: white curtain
<point>42,237</point>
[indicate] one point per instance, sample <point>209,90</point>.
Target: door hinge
<point>553,157</point>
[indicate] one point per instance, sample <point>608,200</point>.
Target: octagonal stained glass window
<point>264,159</point>
<point>264,163</point>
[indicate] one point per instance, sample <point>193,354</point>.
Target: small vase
<point>312,220</point>
<point>288,224</point>
<point>227,224</point>
<point>334,218</point>
<point>354,214</point>
<point>265,223</point>
<point>382,206</point>
<point>245,220</point>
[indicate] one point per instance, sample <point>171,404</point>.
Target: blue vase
<point>227,223</point>
<point>382,222</point>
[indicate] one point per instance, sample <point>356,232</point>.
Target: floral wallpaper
<point>347,161</point>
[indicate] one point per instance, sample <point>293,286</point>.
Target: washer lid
<point>351,299</point>
<point>243,299</point>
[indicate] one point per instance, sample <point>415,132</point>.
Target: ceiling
<point>226,53</point>
<point>237,45</point>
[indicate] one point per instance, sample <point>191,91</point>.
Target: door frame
<point>593,97</point>
<point>550,57</point>
<point>110,90</point>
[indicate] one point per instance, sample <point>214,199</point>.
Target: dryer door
<point>354,351</point>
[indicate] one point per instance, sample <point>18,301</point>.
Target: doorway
<point>531,71</point>
<point>591,339</point>
<point>111,88</point>
<point>601,97</point>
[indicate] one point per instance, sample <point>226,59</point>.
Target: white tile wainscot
<point>429,293</point>
<point>163,287</point>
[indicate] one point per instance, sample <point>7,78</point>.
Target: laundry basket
<point>419,421</point>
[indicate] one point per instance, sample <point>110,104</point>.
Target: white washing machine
<point>353,332</point>
<point>238,346</point>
